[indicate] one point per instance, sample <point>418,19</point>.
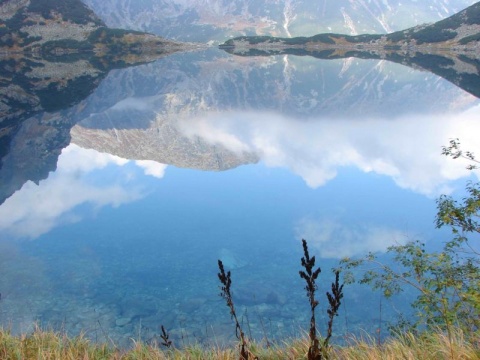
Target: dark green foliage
<point>365,38</point>
<point>461,217</point>
<point>467,39</point>
<point>53,98</point>
<point>8,128</point>
<point>472,14</point>
<point>397,36</point>
<point>70,10</point>
<point>434,33</point>
<point>322,54</point>
<point>108,36</point>
<point>393,47</point>
<point>323,38</point>
<point>433,62</point>
<point>7,41</point>
<point>30,40</point>
<point>442,66</point>
<point>66,50</point>
<point>15,22</point>
<point>66,44</point>
<point>300,40</point>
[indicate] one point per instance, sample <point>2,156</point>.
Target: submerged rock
<point>123,321</point>
<point>230,260</point>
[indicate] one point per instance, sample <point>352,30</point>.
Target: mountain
<point>205,20</point>
<point>58,27</point>
<point>460,31</point>
<point>53,55</point>
<point>449,48</point>
<point>161,142</point>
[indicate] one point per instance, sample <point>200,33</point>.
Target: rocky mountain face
<point>161,141</point>
<point>205,20</point>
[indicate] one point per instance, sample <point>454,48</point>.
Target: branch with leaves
<point>447,281</point>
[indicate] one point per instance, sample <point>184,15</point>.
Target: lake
<point>116,208</point>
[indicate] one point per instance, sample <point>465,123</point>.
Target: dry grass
<point>47,345</point>
<point>408,346</point>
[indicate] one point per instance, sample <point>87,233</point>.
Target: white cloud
<point>75,159</point>
<point>332,239</point>
<point>152,168</point>
<point>407,149</point>
<point>140,104</point>
<point>36,209</point>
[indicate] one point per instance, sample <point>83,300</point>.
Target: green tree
<point>447,282</point>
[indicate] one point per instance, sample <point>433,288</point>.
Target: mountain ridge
<point>217,20</point>
<point>460,31</point>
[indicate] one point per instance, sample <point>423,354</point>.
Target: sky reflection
<point>36,209</point>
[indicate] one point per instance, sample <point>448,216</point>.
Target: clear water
<point>345,154</point>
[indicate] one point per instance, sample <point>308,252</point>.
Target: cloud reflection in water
<point>37,209</point>
<point>407,149</point>
<point>333,239</point>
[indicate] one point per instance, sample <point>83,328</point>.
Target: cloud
<point>152,168</point>
<point>76,159</point>
<point>36,209</point>
<point>140,104</point>
<point>332,239</point>
<point>406,148</point>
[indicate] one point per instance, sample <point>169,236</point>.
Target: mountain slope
<point>459,31</point>
<point>204,20</point>
<point>53,27</point>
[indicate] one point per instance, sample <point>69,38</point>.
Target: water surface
<point>177,163</point>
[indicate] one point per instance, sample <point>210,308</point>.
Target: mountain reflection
<point>304,114</point>
<point>460,68</point>
<point>140,112</point>
<point>40,99</point>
